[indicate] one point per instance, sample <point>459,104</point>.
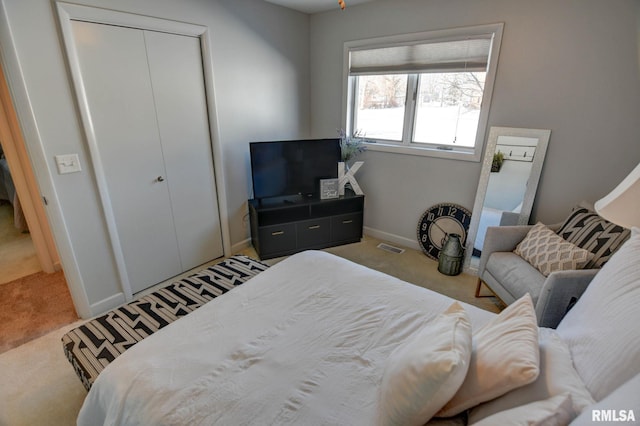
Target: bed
<point>304,342</point>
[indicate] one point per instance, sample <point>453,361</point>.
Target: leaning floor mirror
<point>509,179</point>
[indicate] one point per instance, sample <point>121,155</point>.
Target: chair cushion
<point>586,229</point>
<point>508,267</point>
<point>602,328</point>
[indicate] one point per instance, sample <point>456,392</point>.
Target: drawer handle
<point>314,227</point>
<point>277,233</point>
<point>347,221</point>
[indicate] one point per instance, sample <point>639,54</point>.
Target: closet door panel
<point>115,76</point>
<point>175,64</point>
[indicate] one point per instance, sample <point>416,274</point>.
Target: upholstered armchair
<point>510,277</point>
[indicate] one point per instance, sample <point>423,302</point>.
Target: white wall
<point>569,66</point>
<point>261,83</point>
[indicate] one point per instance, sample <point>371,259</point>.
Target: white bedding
<point>304,342</point>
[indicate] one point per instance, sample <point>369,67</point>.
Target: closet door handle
<point>159,179</point>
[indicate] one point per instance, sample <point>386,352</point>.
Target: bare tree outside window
<point>381,104</point>
<point>448,108</point>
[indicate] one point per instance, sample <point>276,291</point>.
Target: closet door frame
<point>69,12</point>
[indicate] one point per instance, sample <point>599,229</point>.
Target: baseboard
<point>392,238</point>
<point>235,248</point>
<point>107,304</point>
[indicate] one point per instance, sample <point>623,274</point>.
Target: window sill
<point>426,151</point>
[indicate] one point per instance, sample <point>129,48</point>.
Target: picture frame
<point>329,189</point>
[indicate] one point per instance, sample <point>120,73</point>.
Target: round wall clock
<point>439,221</point>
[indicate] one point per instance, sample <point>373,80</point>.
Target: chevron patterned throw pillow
<point>548,252</point>
<point>586,229</point>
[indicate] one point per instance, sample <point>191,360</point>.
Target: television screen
<point>284,168</point>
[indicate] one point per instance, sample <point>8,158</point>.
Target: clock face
<point>439,221</point>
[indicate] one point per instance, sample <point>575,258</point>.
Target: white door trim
<point>68,12</point>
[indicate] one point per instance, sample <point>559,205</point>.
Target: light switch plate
<point>68,163</point>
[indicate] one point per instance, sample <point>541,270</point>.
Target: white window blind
<point>470,54</point>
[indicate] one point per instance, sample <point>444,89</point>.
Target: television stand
<point>282,228</point>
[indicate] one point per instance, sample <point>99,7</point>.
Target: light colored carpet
<point>17,253</point>
<point>39,387</point>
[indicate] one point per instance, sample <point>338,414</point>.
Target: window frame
<point>406,146</point>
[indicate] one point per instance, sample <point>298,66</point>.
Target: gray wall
<point>570,66</point>
<point>261,81</point>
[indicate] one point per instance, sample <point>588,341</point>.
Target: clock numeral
<point>438,221</point>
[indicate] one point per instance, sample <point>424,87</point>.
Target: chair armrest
<point>500,238</point>
<point>559,293</point>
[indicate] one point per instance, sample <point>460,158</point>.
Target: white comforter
<point>303,343</point>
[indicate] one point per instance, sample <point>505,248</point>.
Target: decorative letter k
<point>343,177</point>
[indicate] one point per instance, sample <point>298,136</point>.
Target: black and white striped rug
<point>93,345</point>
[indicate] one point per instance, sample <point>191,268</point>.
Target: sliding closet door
<point>175,65</point>
<point>115,76</point>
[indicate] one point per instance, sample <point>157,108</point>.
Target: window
<point>426,93</point>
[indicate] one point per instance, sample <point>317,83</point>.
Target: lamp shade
<point>622,205</point>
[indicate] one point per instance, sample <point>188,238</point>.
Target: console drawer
<point>346,227</point>
<point>316,232</point>
<point>277,238</point>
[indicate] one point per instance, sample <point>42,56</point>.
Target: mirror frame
<point>532,186</point>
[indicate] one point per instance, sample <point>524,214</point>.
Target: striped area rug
<point>93,345</point>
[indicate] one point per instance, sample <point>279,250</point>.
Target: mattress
<point>96,343</point>
<point>304,342</point>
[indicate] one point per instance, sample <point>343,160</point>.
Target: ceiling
<point>315,6</point>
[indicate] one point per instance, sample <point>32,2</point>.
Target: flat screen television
<point>287,168</point>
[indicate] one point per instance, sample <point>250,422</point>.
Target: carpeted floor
<point>18,256</point>
<point>33,306</point>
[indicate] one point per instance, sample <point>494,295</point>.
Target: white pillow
<point>505,356</point>
<point>555,411</point>
<point>624,399</point>
<point>423,374</point>
<point>601,329</point>
<point>557,376</point>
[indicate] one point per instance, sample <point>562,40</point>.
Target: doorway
<point>18,257</point>
<point>29,262</point>
<point>23,194</point>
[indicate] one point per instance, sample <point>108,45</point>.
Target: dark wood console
<point>283,227</point>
